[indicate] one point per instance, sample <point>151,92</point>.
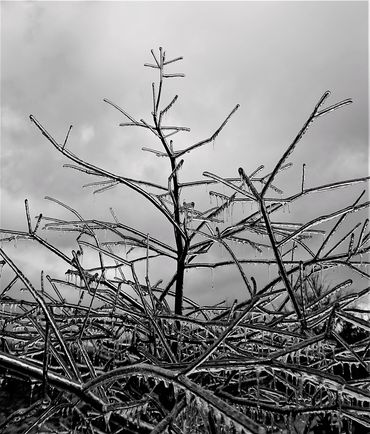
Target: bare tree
<point>125,361</point>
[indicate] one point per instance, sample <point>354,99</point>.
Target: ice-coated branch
<point>314,114</point>
<point>211,138</point>
<point>114,338</point>
<point>274,245</point>
<point>46,311</point>
<point>105,173</point>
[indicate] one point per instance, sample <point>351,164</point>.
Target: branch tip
<point>28,216</point>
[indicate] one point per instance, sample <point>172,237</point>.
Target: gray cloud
<point>60,59</point>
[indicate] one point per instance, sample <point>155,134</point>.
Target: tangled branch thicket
<point>133,356</point>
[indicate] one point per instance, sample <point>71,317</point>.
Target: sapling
<point>131,354</point>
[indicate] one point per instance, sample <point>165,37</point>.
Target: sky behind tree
<point>60,59</point>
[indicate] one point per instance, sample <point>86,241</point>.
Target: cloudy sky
<point>60,59</point>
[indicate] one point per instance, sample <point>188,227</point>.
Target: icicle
<point>291,420</point>
<point>306,353</point>
<point>187,396</point>
<point>350,424</point>
<point>254,414</point>
<point>321,396</point>
<point>258,371</point>
<point>272,422</point>
<point>342,368</point>
<point>176,390</point>
<point>350,370</point>
<point>239,381</point>
<point>273,380</point>
<point>264,416</point>
<point>339,412</point>
<point>300,386</point>
<point>32,386</point>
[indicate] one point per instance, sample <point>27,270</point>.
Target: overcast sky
<point>60,59</point>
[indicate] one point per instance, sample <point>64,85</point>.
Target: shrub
<point>134,355</point>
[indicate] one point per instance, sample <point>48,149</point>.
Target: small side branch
<point>211,138</point>
<point>316,113</point>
